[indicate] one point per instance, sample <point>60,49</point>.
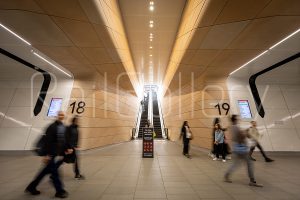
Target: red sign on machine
<point>148,145</point>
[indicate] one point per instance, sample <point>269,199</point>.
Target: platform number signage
<point>225,106</point>
<point>79,108</point>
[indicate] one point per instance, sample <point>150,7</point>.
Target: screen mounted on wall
<point>55,106</point>
<point>245,110</point>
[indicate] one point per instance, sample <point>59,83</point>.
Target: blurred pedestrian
<point>255,136</point>
<point>240,151</point>
<point>54,147</point>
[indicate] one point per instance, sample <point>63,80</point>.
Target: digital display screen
<point>55,106</point>
<point>245,111</point>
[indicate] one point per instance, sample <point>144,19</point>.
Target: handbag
<point>70,158</point>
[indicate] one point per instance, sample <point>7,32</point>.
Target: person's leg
<point>188,146</point>
<point>46,170</point>
<point>233,166</point>
<point>247,159</point>
<point>217,150</point>
<point>263,153</point>
<point>251,171</point>
<point>223,151</point>
<point>185,150</point>
<point>251,152</point>
<point>58,185</point>
<point>76,166</point>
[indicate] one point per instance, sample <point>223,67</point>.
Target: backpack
<point>39,148</point>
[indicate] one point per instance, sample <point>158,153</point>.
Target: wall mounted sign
<point>55,106</point>
<point>148,145</point>
<point>245,110</point>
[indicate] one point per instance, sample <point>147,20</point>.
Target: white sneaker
<point>223,160</point>
<point>215,158</point>
<point>228,157</point>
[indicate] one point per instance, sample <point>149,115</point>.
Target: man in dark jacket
<point>72,143</point>
<point>54,146</point>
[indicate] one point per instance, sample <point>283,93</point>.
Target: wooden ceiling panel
<point>202,57</point>
<point>39,29</point>
<point>63,8</point>
<point>82,34</point>
<point>281,7</point>
<point>64,55</point>
<point>210,12</point>
<point>199,36</point>
<point>220,36</point>
<point>237,10</point>
<point>97,55</point>
<point>233,58</point>
<point>263,33</point>
<point>29,5</point>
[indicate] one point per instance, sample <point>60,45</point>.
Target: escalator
<point>156,117</point>
<point>144,116</point>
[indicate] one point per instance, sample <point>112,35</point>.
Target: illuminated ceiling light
<point>150,55</point>
<point>151,25</point>
<point>150,47</point>
<point>285,39</point>
<point>50,63</point>
<point>292,34</point>
<point>249,62</point>
<point>151,40</point>
<point>151,7</point>
<point>15,34</point>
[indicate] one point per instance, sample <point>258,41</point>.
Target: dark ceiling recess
<point>252,79</point>
<point>45,85</point>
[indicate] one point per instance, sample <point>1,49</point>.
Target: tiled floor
<point>118,172</point>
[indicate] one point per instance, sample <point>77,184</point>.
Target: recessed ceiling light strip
<point>50,63</point>
<point>15,34</point>
<point>292,34</point>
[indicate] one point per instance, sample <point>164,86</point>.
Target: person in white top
<point>255,136</point>
<point>186,135</point>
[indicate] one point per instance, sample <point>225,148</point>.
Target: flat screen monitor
<point>55,106</point>
<point>245,110</point>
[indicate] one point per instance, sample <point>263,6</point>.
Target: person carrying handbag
<point>186,135</point>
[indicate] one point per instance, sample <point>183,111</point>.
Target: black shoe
<point>251,158</point>
<point>63,194</point>
<point>269,160</point>
<point>32,191</point>
<point>79,177</point>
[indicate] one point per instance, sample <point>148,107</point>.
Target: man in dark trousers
<point>72,143</point>
<point>54,146</point>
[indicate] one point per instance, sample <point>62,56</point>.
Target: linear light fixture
<point>15,34</point>
<point>292,34</point>
<point>284,39</point>
<point>50,63</point>
<point>249,61</point>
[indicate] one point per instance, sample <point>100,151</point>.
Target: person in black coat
<point>54,146</point>
<point>72,143</point>
<point>186,135</point>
